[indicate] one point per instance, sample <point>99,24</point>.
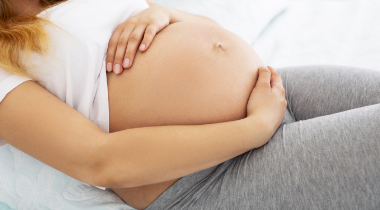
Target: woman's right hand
<point>267,99</point>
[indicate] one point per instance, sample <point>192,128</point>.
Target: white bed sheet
<point>324,32</point>
<point>246,18</point>
<point>299,32</point>
<point>307,33</point>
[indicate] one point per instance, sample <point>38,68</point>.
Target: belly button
<point>219,46</point>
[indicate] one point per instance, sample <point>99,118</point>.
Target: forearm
<point>54,133</point>
<point>151,3</point>
<point>158,154</point>
<point>181,16</point>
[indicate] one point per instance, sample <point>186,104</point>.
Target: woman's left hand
<point>134,34</point>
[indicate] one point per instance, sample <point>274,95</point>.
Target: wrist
<point>175,15</point>
<point>261,128</point>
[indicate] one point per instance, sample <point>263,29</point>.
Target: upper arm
<point>41,125</point>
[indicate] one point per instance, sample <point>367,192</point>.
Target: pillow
<point>4,207</point>
<point>246,18</point>
<point>26,183</point>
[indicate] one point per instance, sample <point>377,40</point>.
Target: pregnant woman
<point>186,129</point>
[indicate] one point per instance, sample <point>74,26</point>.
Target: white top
<point>75,69</point>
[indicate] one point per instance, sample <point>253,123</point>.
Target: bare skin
<point>192,74</point>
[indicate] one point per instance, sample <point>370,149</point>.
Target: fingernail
<point>126,63</point>
<point>142,47</point>
<point>264,67</point>
<point>117,69</point>
<point>109,67</point>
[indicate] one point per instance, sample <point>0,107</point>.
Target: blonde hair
<point>21,35</point>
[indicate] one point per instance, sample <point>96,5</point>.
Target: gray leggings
<point>326,155</point>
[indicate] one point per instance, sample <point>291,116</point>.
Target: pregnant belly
<point>192,74</point>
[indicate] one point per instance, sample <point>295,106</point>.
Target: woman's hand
<point>135,33</point>
<point>267,99</point>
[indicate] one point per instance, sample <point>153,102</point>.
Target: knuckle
<point>112,43</point>
<point>118,57</point>
<point>134,37</point>
<point>110,55</point>
<point>146,20</point>
<point>121,43</point>
<point>151,31</point>
<point>157,26</point>
<point>128,54</point>
<point>117,60</point>
<point>261,82</point>
<point>132,21</point>
<point>148,39</point>
<point>264,76</point>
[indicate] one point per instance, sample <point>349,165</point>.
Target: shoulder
<point>93,11</point>
<point>8,82</point>
<point>90,19</point>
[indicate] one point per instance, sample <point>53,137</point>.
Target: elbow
<point>108,177</point>
<point>101,175</point>
<point>94,164</point>
<point>109,168</point>
<point>100,178</point>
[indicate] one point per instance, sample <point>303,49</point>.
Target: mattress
<point>299,32</point>
<point>323,32</point>
<point>284,33</point>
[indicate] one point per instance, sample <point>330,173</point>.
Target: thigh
<point>329,162</point>
<point>314,91</point>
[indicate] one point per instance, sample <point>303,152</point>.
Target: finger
<point>264,77</point>
<point>276,80</point>
<point>112,44</point>
<point>275,77</point>
<point>122,47</point>
<point>276,83</point>
<point>150,33</point>
<point>133,44</point>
